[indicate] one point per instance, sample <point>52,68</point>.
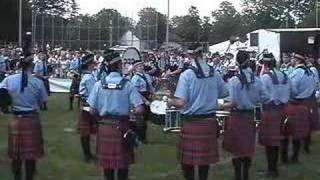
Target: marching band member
<point>25,143</point>
<point>245,91</point>
<point>197,93</point>
<point>87,123</point>
<point>41,71</point>
<point>111,99</point>
<point>303,86</point>
<point>277,85</point>
<point>143,82</point>
<point>313,105</point>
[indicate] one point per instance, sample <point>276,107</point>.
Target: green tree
<point>151,26</point>
<point>226,22</point>
<point>188,27</point>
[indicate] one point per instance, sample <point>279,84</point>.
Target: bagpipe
<point>6,100</point>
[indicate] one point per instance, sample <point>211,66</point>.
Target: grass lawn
<point>156,161</point>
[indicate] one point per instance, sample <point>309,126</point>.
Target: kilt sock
<point>284,151</point>
<point>203,172</point>
<point>307,144</point>
<point>30,169</point>
<point>85,143</point>
<point>17,169</point>
<point>188,171</point>
<point>123,174</point>
<point>246,163</point>
<point>109,174</point>
<point>272,154</point>
<point>296,144</point>
<point>237,168</point>
<point>71,98</point>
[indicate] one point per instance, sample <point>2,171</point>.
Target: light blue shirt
<point>114,102</point>
<point>303,86</point>
<point>75,64</point>
<point>31,98</point>
<point>316,77</point>
<point>86,84</point>
<point>278,93</point>
<point>140,83</point>
<point>247,98</point>
<point>201,94</point>
<point>40,68</point>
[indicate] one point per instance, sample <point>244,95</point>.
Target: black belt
<point>19,113</point>
<point>269,106</point>
<point>244,111</point>
<point>109,120</point>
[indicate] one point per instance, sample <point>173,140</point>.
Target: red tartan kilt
<point>25,141</point>
<point>240,135</point>
<point>270,133</point>
<point>198,142</point>
<point>298,123</point>
<point>314,115</point>
<point>87,124</point>
<point>111,151</point>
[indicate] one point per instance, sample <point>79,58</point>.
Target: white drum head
<point>158,107</point>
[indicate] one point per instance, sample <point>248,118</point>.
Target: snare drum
<point>173,121</point>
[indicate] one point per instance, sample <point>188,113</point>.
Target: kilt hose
<point>270,130</point>
<point>298,122</point>
<point>87,123</point>
<point>25,140</point>
<point>198,142</point>
<point>314,114</point>
<point>112,153</point>
<point>240,134</point>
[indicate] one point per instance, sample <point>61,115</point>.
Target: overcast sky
<point>131,7</point>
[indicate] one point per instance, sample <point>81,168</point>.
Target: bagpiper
<point>245,93</point>
<point>111,99</point>
<point>87,122</point>
<point>277,85</point>
<point>25,141</point>
<point>303,85</point>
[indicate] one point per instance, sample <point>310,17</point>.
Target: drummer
<point>277,84</point>
<point>143,82</point>
<point>197,93</point>
<point>245,91</point>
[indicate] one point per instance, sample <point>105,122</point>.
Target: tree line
<point>58,21</point>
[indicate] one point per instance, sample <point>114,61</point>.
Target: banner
<point>60,85</point>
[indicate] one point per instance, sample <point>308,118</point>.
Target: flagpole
<point>168,19</point>
<point>20,23</point>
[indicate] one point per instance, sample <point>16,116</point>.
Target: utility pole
<point>317,14</point>
<point>20,23</point>
<point>110,33</point>
<point>168,19</point>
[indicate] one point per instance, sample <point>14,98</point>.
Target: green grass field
<point>156,161</point>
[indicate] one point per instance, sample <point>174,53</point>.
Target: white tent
<point>129,39</point>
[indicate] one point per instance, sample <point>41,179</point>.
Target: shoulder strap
<point>145,80</point>
<point>307,71</point>
<point>199,72</point>
<point>285,76</point>
<point>274,77</point>
<point>111,86</point>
